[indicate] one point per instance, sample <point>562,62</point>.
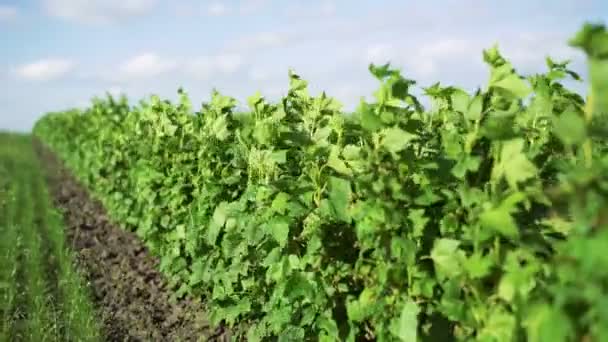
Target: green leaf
<point>419,221</point>
<point>298,287</point>
<point>336,163</point>
<point>478,266</point>
<point>340,197</point>
<point>280,203</point>
<point>254,100</point>
<point>328,327</point>
<point>358,310</point>
<point>475,108</point>
<point>499,220</point>
<point>279,156</point>
<point>220,128</point>
<point>180,231</point>
<point>383,71</point>
<point>465,163</point>
<point>514,164</point>
<point>500,326</point>
<point>296,83</point>
<point>598,71</point>
<point>230,313</point>
<point>279,229</point>
<point>447,258</point>
<point>217,223</point>
<point>593,39</point>
<point>460,101</point>
<point>570,128</point>
<point>513,84</point>
<point>547,323</point>
<point>407,327</point>
<point>395,139</point>
<point>369,120</point>
<point>506,287</point>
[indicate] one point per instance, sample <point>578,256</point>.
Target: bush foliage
<point>483,217</point>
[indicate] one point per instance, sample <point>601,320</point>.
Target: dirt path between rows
<point>130,295</point>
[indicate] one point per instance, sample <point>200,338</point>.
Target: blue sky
<point>57,54</point>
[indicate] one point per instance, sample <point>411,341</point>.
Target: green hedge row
<point>482,218</point>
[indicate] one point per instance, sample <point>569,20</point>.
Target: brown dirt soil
<point>131,296</point>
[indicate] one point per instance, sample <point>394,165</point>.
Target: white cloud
<point>248,7</point>
<point>7,12</point>
<point>206,66</point>
<point>44,70</point>
<point>228,63</point>
<point>328,8</point>
<point>259,41</point>
<point>527,51</point>
<point>258,74</point>
<point>448,48</point>
<point>147,65</point>
<point>217,9</point>
<point>307,10</point>
<point>424,57</point>
<point>431,58</point>
<point>97,11</point>
<point>116,90</point>
<point>201,67</point>
<point>380,53</point>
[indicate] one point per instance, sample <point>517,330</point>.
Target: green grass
<point>42,297</point>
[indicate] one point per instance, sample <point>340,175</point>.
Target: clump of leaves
<point>483,217</point>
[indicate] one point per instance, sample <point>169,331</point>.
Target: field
<point>42,297</point>
<point>481,218</point>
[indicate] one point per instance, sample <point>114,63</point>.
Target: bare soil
<point>132,298</point>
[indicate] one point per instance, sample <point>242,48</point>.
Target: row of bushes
<point>483,217</point>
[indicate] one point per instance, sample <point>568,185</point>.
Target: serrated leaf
<point>460,101</point>
<point>478,266</point>
<point>279,229</point>
<point>220,128</point>
<point>514,85</point>
<point>570,128</point>
<point>360,309</point>
<point>340,197</point>
<point>499,220</point>
<point>406,328</point>
<point>336,163</point>
<point>280,203</point>
<point>475,108</point>
<point>514,164</point>
<point>547,323</point>
<point>446,257</point>
<point>180,231</point>
<point>419,221</point>
<point>217,223</point>
<point>395,139</point>
<point>500,326</point>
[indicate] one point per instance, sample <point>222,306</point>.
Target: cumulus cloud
<point>97,11</point>
<point>309,10</point>
<point>7,12</point>
<point>147,65</point>
<point>455,55</point>
<point>380,53</point>
<point>528,50</point>
<point>426,59</point>
<point>248,7</point>
<point>206,66</point>
<point>228,63</point>
<point>116,90</point>
<point>44,70</point>
<point>258,74</point>
<point>217,9</point>
<point>258,41</point>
